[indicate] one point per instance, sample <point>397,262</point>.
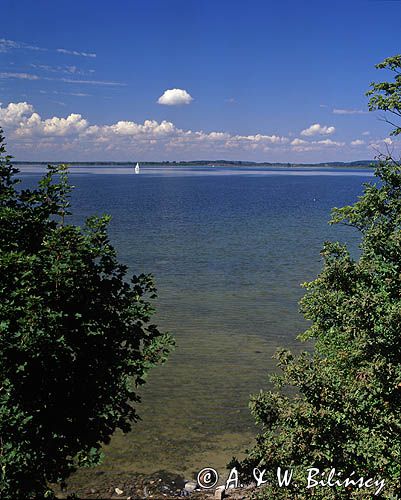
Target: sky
<point>154,80</point>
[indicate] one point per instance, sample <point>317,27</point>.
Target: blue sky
<point>258,80</point>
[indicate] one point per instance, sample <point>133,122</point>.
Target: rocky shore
<point>162,485</point>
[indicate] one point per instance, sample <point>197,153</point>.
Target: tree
<point>340,406</point>
<point>386,96</point>
<point>76,338</point>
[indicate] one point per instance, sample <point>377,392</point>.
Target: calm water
<point>229,249</point>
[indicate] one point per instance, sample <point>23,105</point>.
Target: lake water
<point>229,248</point>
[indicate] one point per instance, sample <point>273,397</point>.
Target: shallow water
<point>229,248</point>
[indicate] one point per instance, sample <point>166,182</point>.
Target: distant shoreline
<point>208,163</point>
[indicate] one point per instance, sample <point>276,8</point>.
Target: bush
<point>75,336</point>
<point>345,407</point>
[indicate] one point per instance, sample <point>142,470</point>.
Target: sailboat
<point>137,168</point>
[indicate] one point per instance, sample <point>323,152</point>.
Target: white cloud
<point>349,111</point>
<point>298,142</point>
<point>9,45</point>
<point>23,123</point>
<point>30,76</point>
<point>76,53</point>
<point>388,141</point>
<point>300,145</point>
<point>317,129</point>
<point>89,82</point>
<point>171,137</point>
<point>14,113</point>
<point>69,70</point>
<point>150,128</point>
<point>19,76</point>
<point>329,142</point>
<point>271,139</point>
<point>56,92</point>
<point>54,127</point>
<point>366,132</point>
<point>28,131</point>
<point>77,94</point>
<point>174,97</point>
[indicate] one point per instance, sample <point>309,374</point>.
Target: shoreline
<point>365,164</point>
<point>160,484</point>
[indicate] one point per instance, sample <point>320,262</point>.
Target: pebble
<point>219,494</point>
<point>118,491</point>
<point>190,486</point>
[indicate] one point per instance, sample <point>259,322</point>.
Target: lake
<point>229,248</point>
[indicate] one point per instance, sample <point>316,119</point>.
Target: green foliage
<point>386,96</point>
<point>76,338</point>
<point>340,406</point>
<point>347,410</point>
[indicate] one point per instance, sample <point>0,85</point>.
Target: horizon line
<point>206,162</point>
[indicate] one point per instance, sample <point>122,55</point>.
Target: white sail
<point>137,168</point>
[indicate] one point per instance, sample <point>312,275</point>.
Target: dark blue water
<point>229,249</point>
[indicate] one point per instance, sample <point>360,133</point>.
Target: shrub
<point>76,338</point>
<point>340,406</point>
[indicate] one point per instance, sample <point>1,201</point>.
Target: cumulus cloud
<point>337,111</point>
<point>317,129</point>
<point>388,141</point>
<point>171,137</point>
<point>329,142</point>
<point>54,127</point>
<point>14,113</point>
<point>175,97</point>
<point>24,124</point>
<point>298,142</point>
<point>28,131</point>
<point>357,142</point>
<point>300,145</point>
<point>149,129</point>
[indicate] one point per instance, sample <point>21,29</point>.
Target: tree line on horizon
<point>357,163</point>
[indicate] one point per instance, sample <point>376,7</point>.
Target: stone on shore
<point>190,486</point>
<point>219,494</point>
